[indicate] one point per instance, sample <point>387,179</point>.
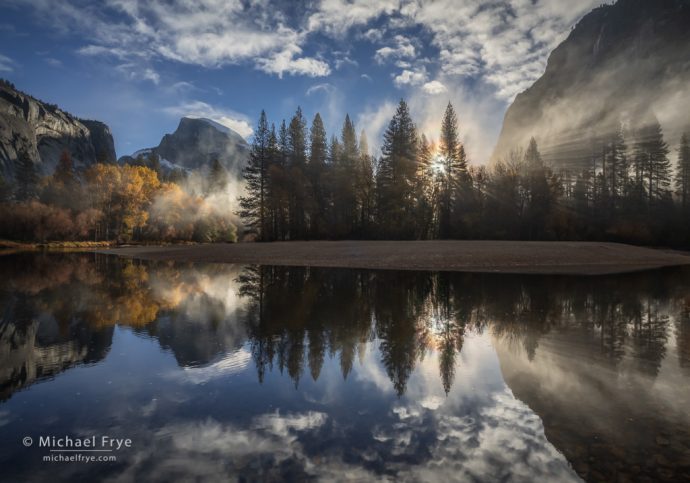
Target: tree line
<point>302,185</point>
<point>108,202</point>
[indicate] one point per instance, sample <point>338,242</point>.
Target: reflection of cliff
<point>609,401</point>
<point>59,310</point>
<point>33,348</point>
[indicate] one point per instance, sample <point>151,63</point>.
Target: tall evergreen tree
<point>454,174</point>
<point>344,177</point>
<point>278,183</point>
<point>683,173</point>
<point>537,191</point>
<point>253,204</point>
<point>396,175</point>
<point>426,188</point>
<point>318,152</point>
<point>364,187</point>
<point>26,177</point>
<point>616,167</point>
<point>652,163</point>
<point>297,160</point>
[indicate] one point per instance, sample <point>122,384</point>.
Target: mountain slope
<point>44,131</point>
<point>196,143</point>
<point>622,63</point>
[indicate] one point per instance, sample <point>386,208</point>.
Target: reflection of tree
<point>299,315</point>
<point>683,335</point>
<point>296,317</point>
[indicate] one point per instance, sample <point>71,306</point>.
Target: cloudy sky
<point>139,65</point>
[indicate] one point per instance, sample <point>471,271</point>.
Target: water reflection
<point>392,374</point>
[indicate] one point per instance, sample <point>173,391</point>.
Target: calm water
<point>220,372</point>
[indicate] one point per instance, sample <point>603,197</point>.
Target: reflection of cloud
<point>232,363</point>
<point>211,451</point>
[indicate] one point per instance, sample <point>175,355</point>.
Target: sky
<point>141,65</point>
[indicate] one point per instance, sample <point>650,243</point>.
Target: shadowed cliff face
<point>621,63</point>
<point>44,132</point>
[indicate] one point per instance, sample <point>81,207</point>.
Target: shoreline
<point>517,257</point>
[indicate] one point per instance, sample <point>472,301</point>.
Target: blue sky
<point>140,65</point>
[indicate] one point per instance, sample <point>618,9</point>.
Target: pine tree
<point>26,177</point>
<point>651,161</point>
<point>427,185</point>
<point>253,204</point>
<point>364,187</point>
<point>683,172</point>
<point>616,167</point>
<point>277,190</point>
<point>344,198</point>
<point>297,158</point>
<point>318,152</point>
<point>537,190</point>
<point>454,175</point>
<point>396,174</point>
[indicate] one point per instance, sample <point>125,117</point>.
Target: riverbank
<point>572,258</point>
<point>57,245</point>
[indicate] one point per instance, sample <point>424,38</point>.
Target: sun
<point>437,163</point>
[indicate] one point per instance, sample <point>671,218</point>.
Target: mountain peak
<point>197,142</point>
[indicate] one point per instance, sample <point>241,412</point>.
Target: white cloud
<point>336,17</point>
<point>434,87</point>
<point>504,43</point>
<point>285,62</point>
<point>402,49</point>
<point>152,75</point>
<point>410,78</point>
<point>210,33</point>
<point>230,119</point>
<point>53,62</point>
<point>6,64</point>
<point>325,87</point>
<point>135,72</point>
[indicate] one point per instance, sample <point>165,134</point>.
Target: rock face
<point>195,144</point>
<point>44,132</point>
<point>622,63</point>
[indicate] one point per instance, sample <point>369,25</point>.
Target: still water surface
<point>219,372</point>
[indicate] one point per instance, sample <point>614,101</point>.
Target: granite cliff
<point>622,63</point>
